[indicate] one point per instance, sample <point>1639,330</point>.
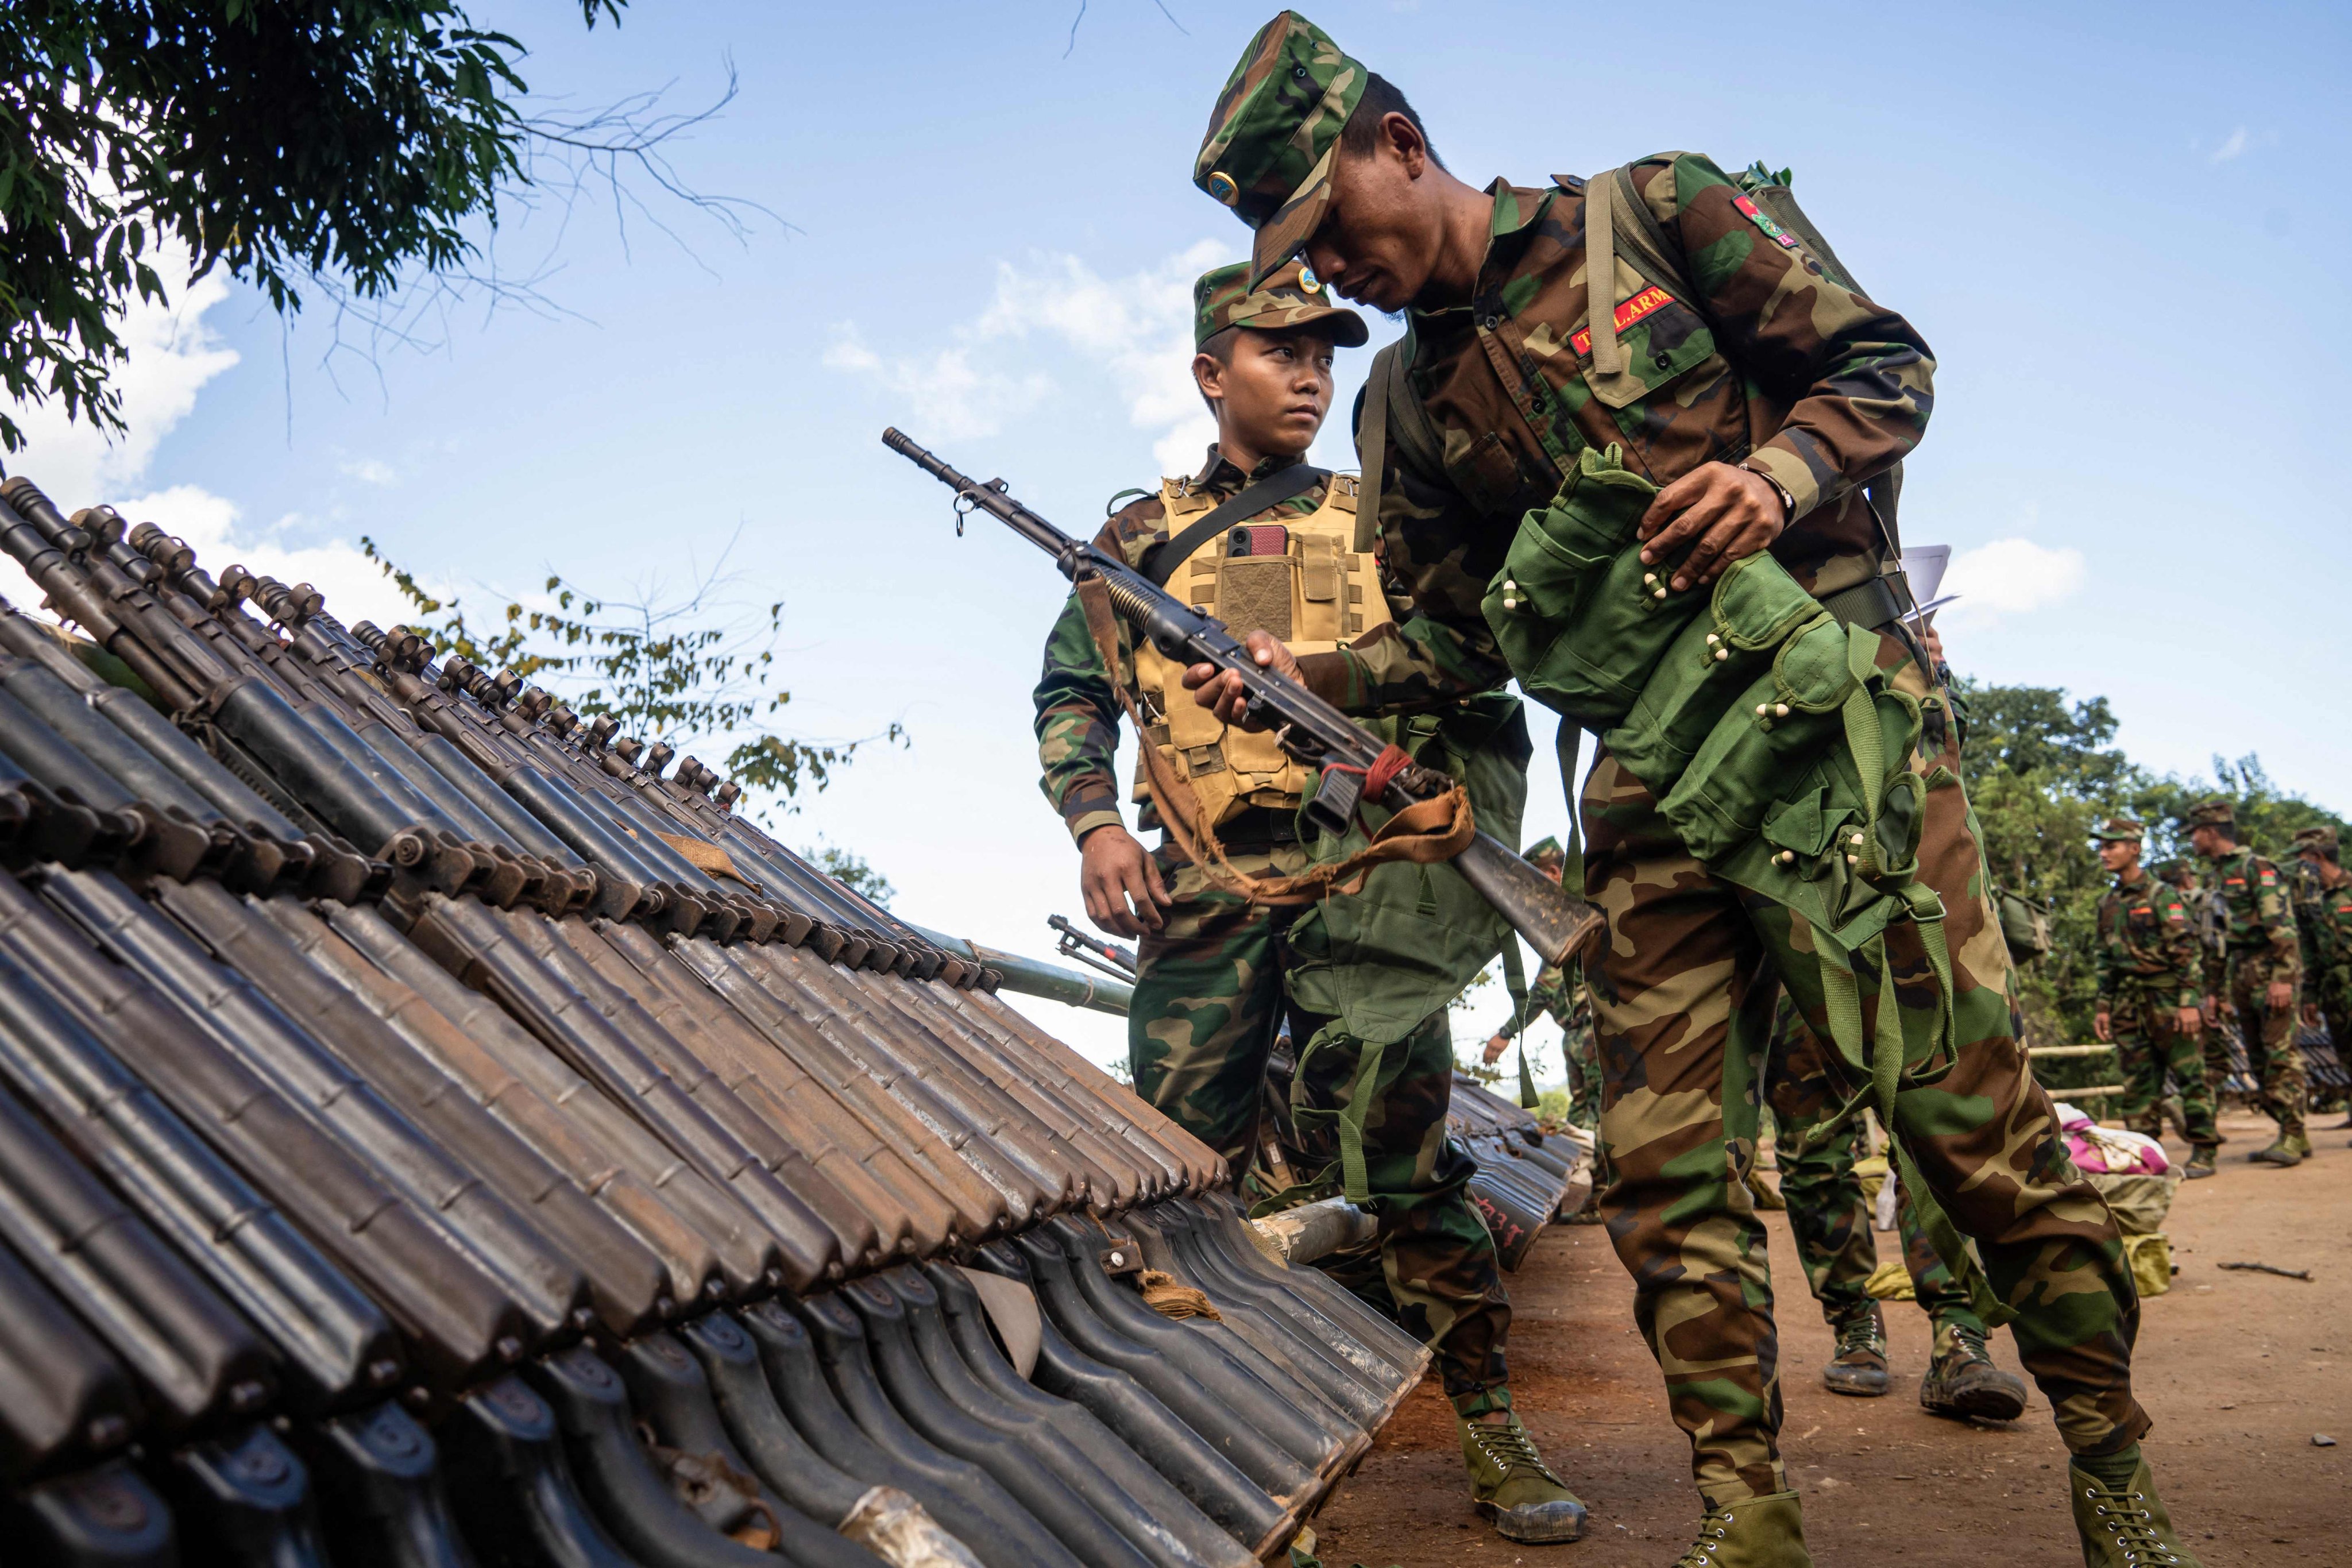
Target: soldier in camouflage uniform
<point>2150,966</point>
<point>1758,394</point>
<point>2266,968</point>
<point>2323,917</point>
<point>1218,974</point>
<point>1830,1222</point>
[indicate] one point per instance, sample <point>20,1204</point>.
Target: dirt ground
<point>2239,1370</point>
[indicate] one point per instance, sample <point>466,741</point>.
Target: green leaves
<point>341,142</point>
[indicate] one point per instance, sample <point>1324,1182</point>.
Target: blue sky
<point>2104,218</point>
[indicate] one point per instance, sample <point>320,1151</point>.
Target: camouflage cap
<point>1274,131</point>
<point>2119,830</point>
<point>1546,848</point>
<point>2169,870</point>
<point>2322,838</point>
<point>2215,813</point>
<point>1293,298</point>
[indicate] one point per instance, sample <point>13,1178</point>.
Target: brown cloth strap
<point>1425,832</point>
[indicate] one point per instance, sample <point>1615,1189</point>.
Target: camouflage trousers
<point>1581,1057</point>
<point>1685,994</point>
<point>2273,1060</point>
<point>1208,1001</point>
<point>1827,1212</point>
<point>2151,1046</point>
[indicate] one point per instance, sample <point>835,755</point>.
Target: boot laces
<point>1859,1335</point>
<point>1968,1345</point>
<point>1511,1447</point>
<point>1712,1528</point>
<point>2130,1527</point>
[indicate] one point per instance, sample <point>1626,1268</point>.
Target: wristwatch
<point>1788,502</point>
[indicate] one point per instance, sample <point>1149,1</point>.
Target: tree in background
<point>691,669</point>
<point>2041,773</point>
<point>356,147</point>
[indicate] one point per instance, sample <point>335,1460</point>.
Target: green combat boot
<point>2300,1142</point>
<point>1513,1488</point>
<point>1963,1382</point>
<point>1760,1532</point>
<point>2126,1529</point>
<point>2281,1153</point>
<point>2200,1164</point>
<point>1858,1368</point>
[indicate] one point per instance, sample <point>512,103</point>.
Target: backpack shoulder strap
<point>1393,413</point>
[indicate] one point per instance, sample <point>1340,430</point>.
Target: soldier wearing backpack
<point>1665,518</point>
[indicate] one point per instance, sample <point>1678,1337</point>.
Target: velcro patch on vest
<point>1648,303</point>
<point>1763,220</point>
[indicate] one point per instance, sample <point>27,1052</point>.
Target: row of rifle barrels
<point>434,1132</point>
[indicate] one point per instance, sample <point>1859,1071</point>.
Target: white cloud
<point>171,355</point>
<point>2235,143</point>
<point>370,471</point>
<point>943,389</point>
<point>1138,329</point>
<point>2009,577</point>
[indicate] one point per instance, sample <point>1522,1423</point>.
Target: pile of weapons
<point>1525,1177</point>
<point>429,1135</point>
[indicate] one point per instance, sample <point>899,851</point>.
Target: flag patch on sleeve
<point>1763,220</point>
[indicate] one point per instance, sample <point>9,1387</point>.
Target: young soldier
<point>1269,544</point>
<point>1831,1225</point>
<point>2323,915</point>
<point>1737,396</point>
<point>2265,966</point>
<point>2152,984</point>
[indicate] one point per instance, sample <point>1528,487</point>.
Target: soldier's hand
<point>1496,1046</point>
<point>2311,1015</point>
<point>2189,1021</point>
<point>1121,883</point>
<point>1220,691</point>
<point>2279,996</point>
<point>2099,1025</point>
<point>2212,1011</point>
<point>1729,512</point>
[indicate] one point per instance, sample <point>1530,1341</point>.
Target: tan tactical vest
<point>1318,595</point>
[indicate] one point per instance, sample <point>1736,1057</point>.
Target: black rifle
<point>1555,922</point>
<point>1092,950</point>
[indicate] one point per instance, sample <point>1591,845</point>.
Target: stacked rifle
<point>434,1132</point>
<point>1526,1179</point>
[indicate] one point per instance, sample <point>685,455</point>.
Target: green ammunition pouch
<point>1380,961</point>
<point>1774,745</point>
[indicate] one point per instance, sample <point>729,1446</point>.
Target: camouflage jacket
<point>1773,364</point>
<point>2261,918</point>
<point>2148,944</point>
<point>2323,918</point>
<point>1556,992</point>
<point>1077,712</point>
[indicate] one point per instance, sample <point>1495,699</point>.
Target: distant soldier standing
<point>2322,916</point>
<point>2265,967</point>
<point>2152,989</point>
<point>1680,441</point>
<point>1559,994</point>
<point>1269,544</point>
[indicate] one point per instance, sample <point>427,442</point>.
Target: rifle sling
<point>1161,563</point>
